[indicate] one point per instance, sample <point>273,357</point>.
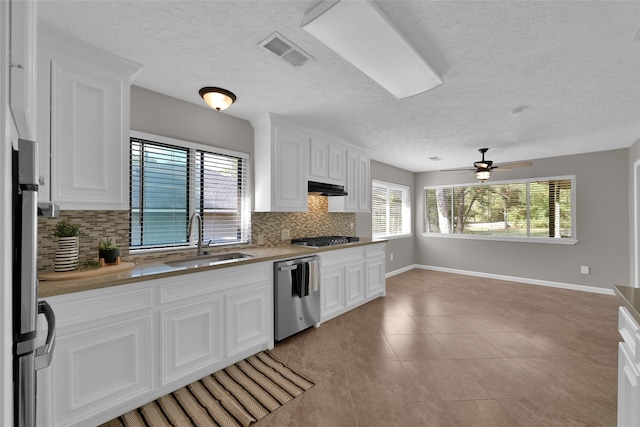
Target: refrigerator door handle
<point>44,353</point>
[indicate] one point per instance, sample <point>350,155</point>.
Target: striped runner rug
<point>235,396</point>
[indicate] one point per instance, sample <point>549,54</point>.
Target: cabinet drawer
<point>628,328</point>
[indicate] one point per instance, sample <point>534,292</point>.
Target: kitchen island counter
<point>630,298</point>
<point>158,269</point>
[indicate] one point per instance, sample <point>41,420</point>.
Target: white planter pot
<point>67,254</point>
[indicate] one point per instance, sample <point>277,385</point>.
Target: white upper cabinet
<point>281,164</point>
<point>327,161</point>
<point>84,132</point>
<point>23,68</point>
<point>358,185</point>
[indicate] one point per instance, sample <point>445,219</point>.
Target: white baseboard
<point>529,281</point>
<point>401,270</point>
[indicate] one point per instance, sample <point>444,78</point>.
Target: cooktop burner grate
<point>317,242</point>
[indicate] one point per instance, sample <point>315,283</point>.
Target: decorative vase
<point>67,254</point>
<point>110,256</point>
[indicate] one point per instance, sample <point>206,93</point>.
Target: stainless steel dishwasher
<point>297,295</point>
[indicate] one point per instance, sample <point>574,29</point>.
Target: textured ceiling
<point>571,64</point>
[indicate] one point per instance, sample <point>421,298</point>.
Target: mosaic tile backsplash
<point>115,224</point>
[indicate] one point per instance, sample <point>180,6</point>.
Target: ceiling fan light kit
<point>483,168</point>
<point>361,33</point>
<point>217,98</point>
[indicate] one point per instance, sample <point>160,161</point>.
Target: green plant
<point>66,229</point>
<point>89,265</point>
<point>106,245</point>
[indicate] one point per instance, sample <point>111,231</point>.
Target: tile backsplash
<point>115,224</point>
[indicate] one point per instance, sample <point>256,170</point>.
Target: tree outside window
<point>531,209</point>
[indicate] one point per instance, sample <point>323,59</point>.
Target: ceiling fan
<point>483,168</point>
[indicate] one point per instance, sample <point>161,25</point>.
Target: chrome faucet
<point>200,228</point>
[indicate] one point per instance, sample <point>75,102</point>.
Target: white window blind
<point>390,210</point>
<point>534,208</point>
<point>170,182</point>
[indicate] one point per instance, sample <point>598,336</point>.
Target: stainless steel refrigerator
<point>28,357</point>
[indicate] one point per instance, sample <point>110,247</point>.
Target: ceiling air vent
<point>286,50</point>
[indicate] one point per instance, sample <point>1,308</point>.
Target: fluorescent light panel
<point>361,33</point>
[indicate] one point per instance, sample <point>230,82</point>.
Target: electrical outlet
<point>284,234</point>
<point>260,239</point>
<point>584,269</point>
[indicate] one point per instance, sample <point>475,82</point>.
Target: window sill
<point>392,237</point>
<point>547,240</point>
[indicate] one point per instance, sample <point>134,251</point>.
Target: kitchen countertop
<point>631,299</point>
<point>158,269</point>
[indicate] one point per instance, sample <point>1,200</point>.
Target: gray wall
<point>403,249</point>
<point>602,218</point>
<point>634,156</point>
<point>163,115</point>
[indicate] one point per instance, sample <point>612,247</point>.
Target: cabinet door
<point>191,337</point>
<point>375,276</point>
<point>628,388</point>
<point>363,183</point>
<point>249,318</point>
<point>351,202</point>
<point>332,293</point>
<point>99,368</point>
<point>88,150</point>
<point>337,163</point>
<point>289,170</point>
<point>354,283</point>
<point>23,68</point>
<point>319,159</point>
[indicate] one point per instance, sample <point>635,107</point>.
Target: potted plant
<point>108,251</point>
<point>66,258</point>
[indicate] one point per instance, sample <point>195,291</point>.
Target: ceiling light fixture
<point>361,33</point>
<point>217,98</point>
<point>483,176</point>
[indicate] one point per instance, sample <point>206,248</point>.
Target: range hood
<point>322,189</point>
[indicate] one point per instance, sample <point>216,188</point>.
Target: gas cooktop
<point>318,242</point>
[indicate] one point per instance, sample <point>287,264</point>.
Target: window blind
<point>170,182</point>
<point>390,209</point>
<point>527,208</point>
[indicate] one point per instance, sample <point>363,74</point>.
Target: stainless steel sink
<point>210,259</point>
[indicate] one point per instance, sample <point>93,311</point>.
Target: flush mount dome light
<point>217,98</point>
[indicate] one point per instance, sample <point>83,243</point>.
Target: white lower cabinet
<point>628,370</point>
<point>349,278</point>
<point>249,318</point>
<point>191,337</point>
<point>120,347</point>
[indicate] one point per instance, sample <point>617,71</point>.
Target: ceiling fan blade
<point>458,170</point>
<point>509,166</point>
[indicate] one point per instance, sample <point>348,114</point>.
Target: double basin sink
<point>207,260</point>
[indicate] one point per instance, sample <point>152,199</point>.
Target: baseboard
<point>529,281</point>
<point>401,270</point>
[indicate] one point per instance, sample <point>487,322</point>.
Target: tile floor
<point>450,350</point>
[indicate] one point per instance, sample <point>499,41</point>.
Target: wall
<point>634,156</point>
<point>602,218</point>
<point>6,253</point>
<point>163,115</point>
<point>100,224</point>
<point>403,249</point>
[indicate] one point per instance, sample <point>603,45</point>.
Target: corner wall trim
<point>539,282</point>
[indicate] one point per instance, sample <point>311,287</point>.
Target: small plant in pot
<point>108,251</point>
<point>66,258</point>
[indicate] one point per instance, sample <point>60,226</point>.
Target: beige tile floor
<point>449,350</point>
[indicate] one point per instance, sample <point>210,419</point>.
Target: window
<point>390,210</point>
<point>533,209</point>
<point>172,179</point>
